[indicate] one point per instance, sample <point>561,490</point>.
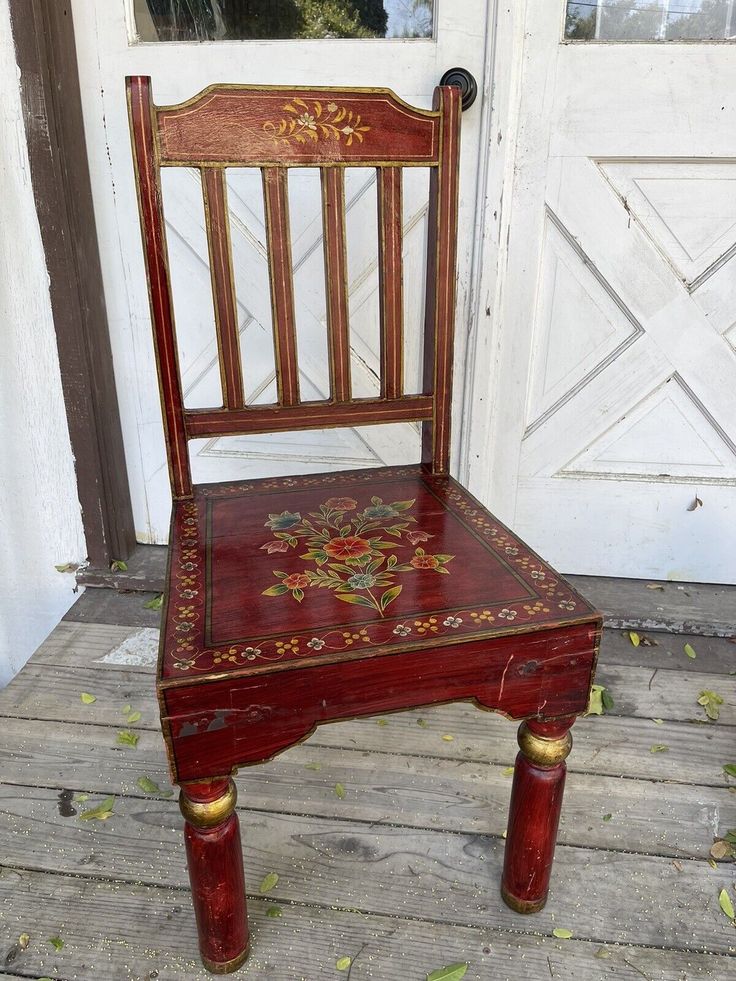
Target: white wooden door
<point>613,430</point>
<point>108,50</point>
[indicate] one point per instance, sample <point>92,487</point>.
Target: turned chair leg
<point>215,861</point>
<point>534,814</point>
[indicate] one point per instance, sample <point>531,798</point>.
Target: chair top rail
<point>229,125</point>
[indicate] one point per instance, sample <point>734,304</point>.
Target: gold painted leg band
<point>542,751</point>
<point>523,905</point>
<point>226,967</point>
<point>211,813</point>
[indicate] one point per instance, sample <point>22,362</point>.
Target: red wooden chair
<point>297,601</point>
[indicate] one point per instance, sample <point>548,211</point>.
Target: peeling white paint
<point>40,521</point>
<point>139,649</point>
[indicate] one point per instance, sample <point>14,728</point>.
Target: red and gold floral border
<point>186,653</point>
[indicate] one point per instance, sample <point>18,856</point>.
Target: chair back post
<point>275,128</point>
<point>153,232</point>
<point>439,310</point>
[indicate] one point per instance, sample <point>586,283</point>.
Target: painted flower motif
<point>452,622</point>
<point>297,580</point>
<point>507,614</point>
<point>415,537</point>
<point>276,546</point>
<point>251,652</point>
<point>184,664</point>
<point>341,504</point>
<point>188,593</point>
<point>537,574</point>
<point>361,580</point>
<point>566,605</point>
<point>280,522</point>
<point>401,630</point>
<point>380,511</point>
<point>424,562</point>
<point>331,107</point>
<point>316,643</point>
<point>184,628</point>
<point>351,547</point>
<point>511,551</point>
<point>307,120</point>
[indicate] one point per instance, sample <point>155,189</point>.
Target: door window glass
<point>236,20</point>
<point>651,20</point>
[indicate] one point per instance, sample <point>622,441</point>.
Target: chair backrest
<point>275,128</point>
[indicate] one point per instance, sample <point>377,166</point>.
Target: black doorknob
<point>462,79</point>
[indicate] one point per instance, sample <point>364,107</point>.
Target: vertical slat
<point>441,265</point>
<point>390,231</point>
<point>275,192</point>
<point>217,221</point>
<point>159,288</point>
<point>336,280</point>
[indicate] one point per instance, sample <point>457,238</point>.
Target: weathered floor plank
<point>75,644</point>
<point>697,608</point>
<point>415,845</point>
<point>607,897</point>
<point>607,745</point>
<point>42,690</point>
<point>419,792</point>
<point>120,932</point>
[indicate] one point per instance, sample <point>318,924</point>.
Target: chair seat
<point>307,570</point>
<point>302,600</point>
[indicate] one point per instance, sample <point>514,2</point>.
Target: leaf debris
<point>268,882</point>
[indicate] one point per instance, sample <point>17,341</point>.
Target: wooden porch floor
<point>402,874</point>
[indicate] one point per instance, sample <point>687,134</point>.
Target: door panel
<point>412,67</point>
<point>618,366</point>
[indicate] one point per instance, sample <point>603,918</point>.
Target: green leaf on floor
<point>133,717</point>
<point>156,603</point>
<point>602,953</point>
<point>448,737</point>
<point>268,882</point>
<point>453,972</point>
<point>57,943</point>
<point>343,963</point>
<point>634,638</point>
<point>381,722</point>
<point>561,933</point>
<point>274,912</point>
<point>340,791</point>
<point>730,769</point>
<point>711,702</point>
<point>23,940</point>
<point>423,724</point>
<point>600,700</point>
<point>87,698</point>
<point>149,786</point>
<point>607,817</point>
<point>127,709</point>
<point>313,766</point>
<point>690,651</point>
<point>659,748</point>
<point>726,904</point>
<point>508,771</point>
<point>128,738</point>
<point>730,836</point>
<point>658,722</point>
<point>117,565</point>
<point>81,798</point>
<point>102,812</point>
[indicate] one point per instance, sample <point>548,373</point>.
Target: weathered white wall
<point>40,523</point>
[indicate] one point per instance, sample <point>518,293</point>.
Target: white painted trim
<point>502,103</point>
